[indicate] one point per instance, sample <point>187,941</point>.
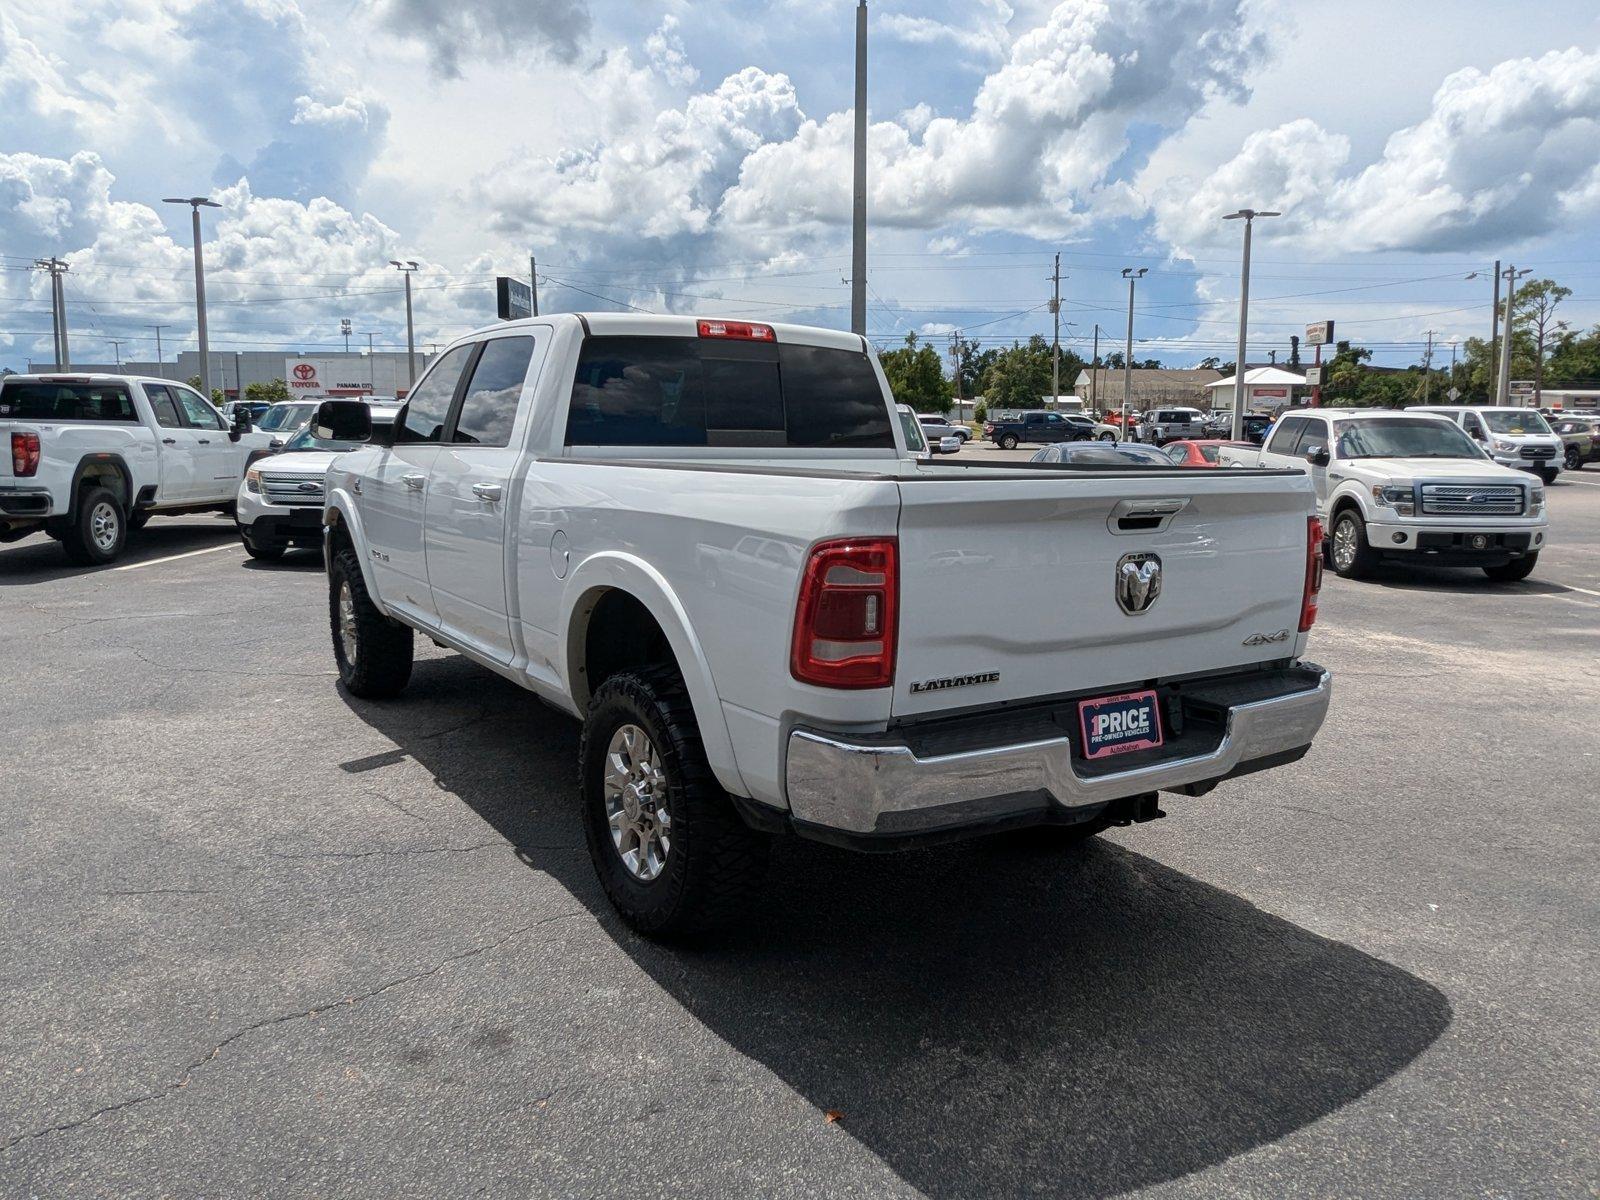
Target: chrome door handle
<point>414,482</point>
<point>492,492</point>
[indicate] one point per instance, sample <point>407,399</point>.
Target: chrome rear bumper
<point>883,787</point>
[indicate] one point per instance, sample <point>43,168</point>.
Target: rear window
<point>656,391</point>
<point>39,401</point>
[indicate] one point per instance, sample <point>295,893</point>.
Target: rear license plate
<point>1120,724</point>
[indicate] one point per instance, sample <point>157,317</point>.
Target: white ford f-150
<point>94,456</point>
<point>707,540</point>
<point>1408,486</point>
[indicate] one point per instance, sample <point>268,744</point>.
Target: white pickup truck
<point>706,539</point>
<point>1408,486</point>
<point>95,456</point>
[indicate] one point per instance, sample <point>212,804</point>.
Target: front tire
<point>673,856</point>
<point>1008,442</point>
<point>1511,572</point>
<point>99,529</point>
<point>259,552</point>
<point>1349,553</point>
<point>374,653</point>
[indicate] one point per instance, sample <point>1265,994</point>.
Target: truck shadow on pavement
<point>40,559</point>
<point>988,1018</point>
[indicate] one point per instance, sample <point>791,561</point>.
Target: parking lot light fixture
<point>196,203</point>
<point>1248,215</point>
<point>1132,276</point>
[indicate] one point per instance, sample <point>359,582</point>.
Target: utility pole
<point>161,363</point>
<point>238,375</point>
<point>1453,344</point>
<point>1502,391</point>
<point>858,233</point>
<point>1094,372</point>
<point>1248,215</point>
<point>58,309</point>
<point>1494,331</point>
<point>116,349</point>
<point>1132,277</point>
<point>1427,369</point>
<point>1055,344</point>
<point>533,282</point>
<point>406,268</point>
<point>196,203</point>
<point>955,366</point>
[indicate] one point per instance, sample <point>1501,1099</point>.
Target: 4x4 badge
<point>1266,639</point>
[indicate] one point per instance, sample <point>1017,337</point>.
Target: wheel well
<point>107,473</point>
<point>1342,505</point>
<point>619,634</point>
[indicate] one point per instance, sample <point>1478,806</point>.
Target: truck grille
<point>1492,501</point>
<point>1538,452</point>
<point>292,490</point>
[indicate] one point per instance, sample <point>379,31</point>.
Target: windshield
<point>1517,422</point>
<point>305,441</point>
<point>284,416</point>
<point>1405,437</point>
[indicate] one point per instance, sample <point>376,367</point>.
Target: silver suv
<point>1162,425</point>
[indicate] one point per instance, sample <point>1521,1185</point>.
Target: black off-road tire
<point>714,861</point>
<point>1008,441</point>
<point>1517,568</point>
<point>98,531</point>
<point>380,666</point>
<point>1363,558</point>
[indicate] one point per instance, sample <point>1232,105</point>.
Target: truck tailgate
<point>1017,578</point>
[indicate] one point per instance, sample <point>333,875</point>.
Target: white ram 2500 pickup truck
<point>707,541</point>
<point>94,456</point>
<point>1407,486</point>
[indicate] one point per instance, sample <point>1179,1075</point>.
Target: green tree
<point>916,376</point>
<point>216,393</point>
<point>269,392</point>
<point>1575,358</point>
<point>1020,376</point>
<point>1534,316</point>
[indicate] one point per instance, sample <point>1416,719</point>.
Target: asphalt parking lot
<point>264,939</point>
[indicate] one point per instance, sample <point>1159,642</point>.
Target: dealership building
<point>382,373</point>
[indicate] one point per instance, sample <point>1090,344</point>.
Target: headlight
<point>1502,446</point>
<point>1535,500</point>
<point>252,481</point>
<point>1401,499</point>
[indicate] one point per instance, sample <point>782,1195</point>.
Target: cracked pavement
<point>265,940</point>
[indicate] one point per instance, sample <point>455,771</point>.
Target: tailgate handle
<point>1145,516</point>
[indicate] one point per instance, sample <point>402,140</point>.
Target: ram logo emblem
<point>1138,582</point>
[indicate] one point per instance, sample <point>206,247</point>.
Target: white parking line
<point>154,562</point>
<point>1582,482</point>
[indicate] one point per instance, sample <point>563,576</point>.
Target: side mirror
<point>1318,456</point>
<point>342,421</point>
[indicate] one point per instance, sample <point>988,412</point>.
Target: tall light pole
<point>196,203</point>
<point>406,268</point>
<point>858,233</point>
<point>344,332</point>
<point>116,348</point>
<point>1249,215</point>
<point>1132,277</point>
<point>372,378</point>
<point>1502,387</point>
<point>58,309</point>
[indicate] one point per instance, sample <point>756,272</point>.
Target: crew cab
<point>1032,427</point>
<point>708,541</point>
<point>95,456</point>
<point>279,504</point>
<point>1512,437</point>
<point>1409,486</point>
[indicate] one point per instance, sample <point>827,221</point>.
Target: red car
<point>1198,453</point>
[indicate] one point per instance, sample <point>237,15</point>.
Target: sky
<point>695,157</point>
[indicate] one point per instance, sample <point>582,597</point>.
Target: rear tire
<point>1351,556</point>
<point>1008,442</point>
<point>1511,572</point>
<point>98,531</point>
<point>374,653</point>
<point>1574,459</point>
<point>1108,437</point>
<point>647,791</point>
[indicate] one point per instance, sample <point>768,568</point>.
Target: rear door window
<point>657,391</point>
<point>489,403</point>
<point>42,400</point>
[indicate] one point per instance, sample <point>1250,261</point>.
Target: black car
<point>1036,427</point>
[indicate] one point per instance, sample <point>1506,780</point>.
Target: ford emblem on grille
<point>1138,582</point>
<point>1480,498</point>
<point>310,487</point>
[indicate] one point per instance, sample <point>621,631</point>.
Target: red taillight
<point>24,453</point>
<point>743,331</point>
<point>844,625</point>
<point>1308,601</point>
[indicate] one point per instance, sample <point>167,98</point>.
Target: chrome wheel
<point>349,635</point>
<point>636,803</point>
<point>1108,437</point>
<point>1344,544</point>
<point>105,526</point>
